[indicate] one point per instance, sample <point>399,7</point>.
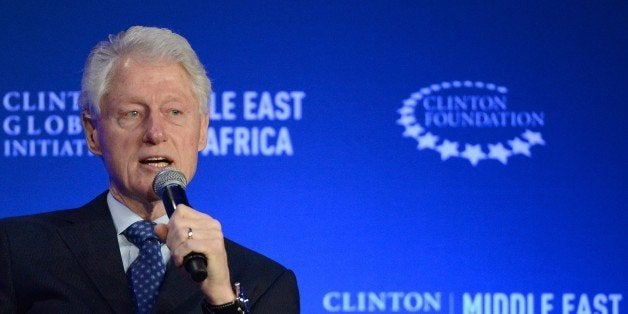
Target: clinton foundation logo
<point>470,120</point>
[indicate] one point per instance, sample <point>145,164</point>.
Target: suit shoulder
<point>270,286</point>
<point>39,217</point>
<point>247,265</point>
<point>245,258</point>
<point>53,218</point>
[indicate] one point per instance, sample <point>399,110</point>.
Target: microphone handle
<point>195,263</point>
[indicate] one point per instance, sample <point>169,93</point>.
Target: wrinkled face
<point>150,119</point>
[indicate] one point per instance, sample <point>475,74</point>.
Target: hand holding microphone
<point>190,232</point>
<point>169,184</point>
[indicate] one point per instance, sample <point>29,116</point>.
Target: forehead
<point>132,76</point>
<point>135,68</point>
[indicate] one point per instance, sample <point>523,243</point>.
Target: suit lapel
<point>91,236</point>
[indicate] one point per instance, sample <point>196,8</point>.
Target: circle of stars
<point>474,153</point>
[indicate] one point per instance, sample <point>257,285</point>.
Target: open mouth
<point>158,162</point>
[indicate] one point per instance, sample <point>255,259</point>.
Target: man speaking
<point>144,104</point>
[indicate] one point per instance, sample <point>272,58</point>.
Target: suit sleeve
<point>7,292</point>
<point>281,297</point>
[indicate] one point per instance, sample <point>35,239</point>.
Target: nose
<point>155,130</point>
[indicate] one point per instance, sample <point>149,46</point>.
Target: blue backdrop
<point>399,156</point>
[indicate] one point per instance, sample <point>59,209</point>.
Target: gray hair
<point>150,44</point>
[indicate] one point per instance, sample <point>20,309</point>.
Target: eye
<point>132,114</point>
<point>176,112</point>
<point>129,118</point>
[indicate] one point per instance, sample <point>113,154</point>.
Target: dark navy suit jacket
<point>69,262</point>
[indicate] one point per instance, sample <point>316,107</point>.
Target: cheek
<point>118,146</point>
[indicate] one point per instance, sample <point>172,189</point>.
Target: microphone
<point>169,184</point>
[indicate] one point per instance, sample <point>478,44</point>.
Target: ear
<point>91,133</point>
<point>202,139</point>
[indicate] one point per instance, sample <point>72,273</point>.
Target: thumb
<point>161,231</point>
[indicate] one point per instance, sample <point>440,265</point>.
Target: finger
<point>179,228</point>
<point>185,211</point>
<point>161,231</point>
<point>213,249</point>
<point>208,240</point>
<point>181,236</point>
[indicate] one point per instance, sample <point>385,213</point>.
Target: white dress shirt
<point>123,217</point>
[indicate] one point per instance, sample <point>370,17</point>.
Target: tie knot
<point>139,232</point>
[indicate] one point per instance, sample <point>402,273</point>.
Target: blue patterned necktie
<point>147,271</point>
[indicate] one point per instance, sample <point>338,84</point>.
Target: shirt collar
<point>123,217</point>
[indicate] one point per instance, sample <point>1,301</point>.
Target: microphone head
<point>167,177</point>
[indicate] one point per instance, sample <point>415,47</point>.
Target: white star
<point>499,152</point>
<point>406,120</point>
<point>413,131</point>
<point>409,102</point>
<point>473,153</point>
<point>447,149</point>
<point>533,137</point>
<point>417,96</point>
<point>405,110</point>
<point>427,141</point>
<point>519,146</point>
